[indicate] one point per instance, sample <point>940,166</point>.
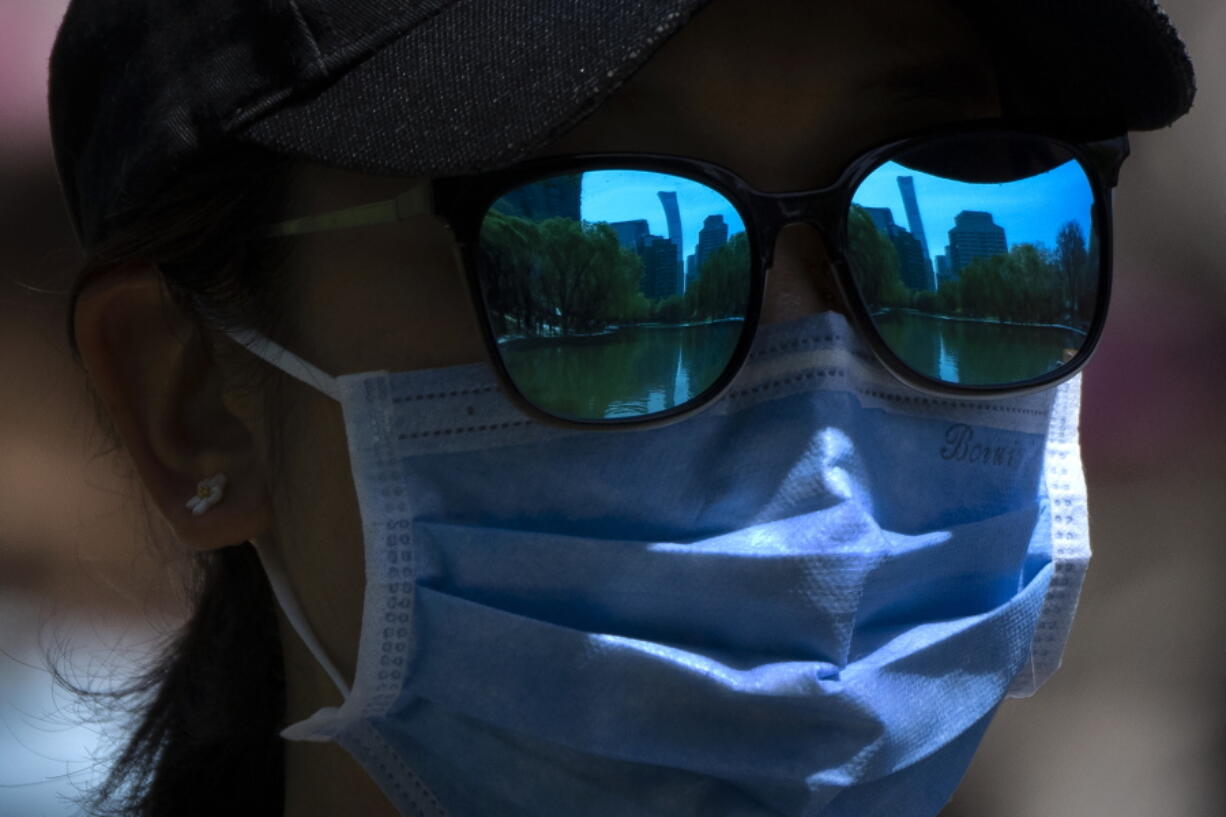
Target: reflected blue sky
<point>1031,210</point>
<point>625,195</point>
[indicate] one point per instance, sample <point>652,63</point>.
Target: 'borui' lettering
<point>960,445</point>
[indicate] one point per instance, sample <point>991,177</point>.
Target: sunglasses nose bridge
<point>817,208</point>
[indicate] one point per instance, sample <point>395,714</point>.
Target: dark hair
<point>203,719</point>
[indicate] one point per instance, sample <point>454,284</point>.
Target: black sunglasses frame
<point>462,202</point>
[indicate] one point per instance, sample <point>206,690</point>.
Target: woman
<point>521,578</point>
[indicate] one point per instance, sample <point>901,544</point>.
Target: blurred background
<point>1134,725</point>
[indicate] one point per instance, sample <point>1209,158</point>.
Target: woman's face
<point>783,92</point>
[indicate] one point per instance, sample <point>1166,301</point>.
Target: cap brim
<point>1106,65</point>
<point>470,88</point>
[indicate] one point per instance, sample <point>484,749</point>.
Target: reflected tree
<point>721,286</point>
<point>875,263</point>
<point>558,276</point>
<point>1023,285</point>
<point>1071,258</point>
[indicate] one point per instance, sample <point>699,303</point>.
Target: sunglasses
<point>620,289</point>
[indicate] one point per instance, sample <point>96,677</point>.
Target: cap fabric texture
<point>442,87</point>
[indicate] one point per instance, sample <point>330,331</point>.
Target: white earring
<point>208,493</point>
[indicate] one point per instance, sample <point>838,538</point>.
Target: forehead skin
<point>787,92</point>
<point>783,92</point>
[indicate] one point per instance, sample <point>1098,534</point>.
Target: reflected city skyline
<point>1022,208</point>
<point>672,224</point>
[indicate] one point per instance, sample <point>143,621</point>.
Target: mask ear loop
<point>289,603</point>
<point>288,362</point>
<point>291,364</point>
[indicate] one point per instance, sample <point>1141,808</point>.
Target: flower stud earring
<point>208,493</point>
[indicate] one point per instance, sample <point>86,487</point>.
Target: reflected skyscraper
<point>915,223</point>
<point>630,234</point>
<point>712,236</point>
<point>661,257</point>
<point>943,273</point>
<point>672,215</point>
<point>913,267</point>
<point>661,260</point>
<point>974,235</point>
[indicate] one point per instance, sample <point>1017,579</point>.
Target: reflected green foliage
<point>721,286</point>
<point>874,262</point>
<point>1028,285</point>
<point>576,332</point>
<point>1078,268</point>
<point>564,277</point>
<point>1002,319</point>
<point>557,276</point>
<point>1021,286</point>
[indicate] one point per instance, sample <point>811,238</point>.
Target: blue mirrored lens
<point>614,293</point>
<point>978,258</point>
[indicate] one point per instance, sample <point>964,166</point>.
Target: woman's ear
<point>164,395</point>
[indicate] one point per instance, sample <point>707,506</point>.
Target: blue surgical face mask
<point>807,599</point>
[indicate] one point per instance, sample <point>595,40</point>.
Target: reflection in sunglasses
<point>595,312</point>
<point>990,283</point>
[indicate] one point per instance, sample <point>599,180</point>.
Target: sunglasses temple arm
<point>416,201</point>
<point>1109,155</point>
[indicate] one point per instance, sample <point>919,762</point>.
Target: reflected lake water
<point>636,370</point>
<point>627,372</point>
<point>976,353</point>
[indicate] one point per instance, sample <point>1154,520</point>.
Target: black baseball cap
<point>143,89</point>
